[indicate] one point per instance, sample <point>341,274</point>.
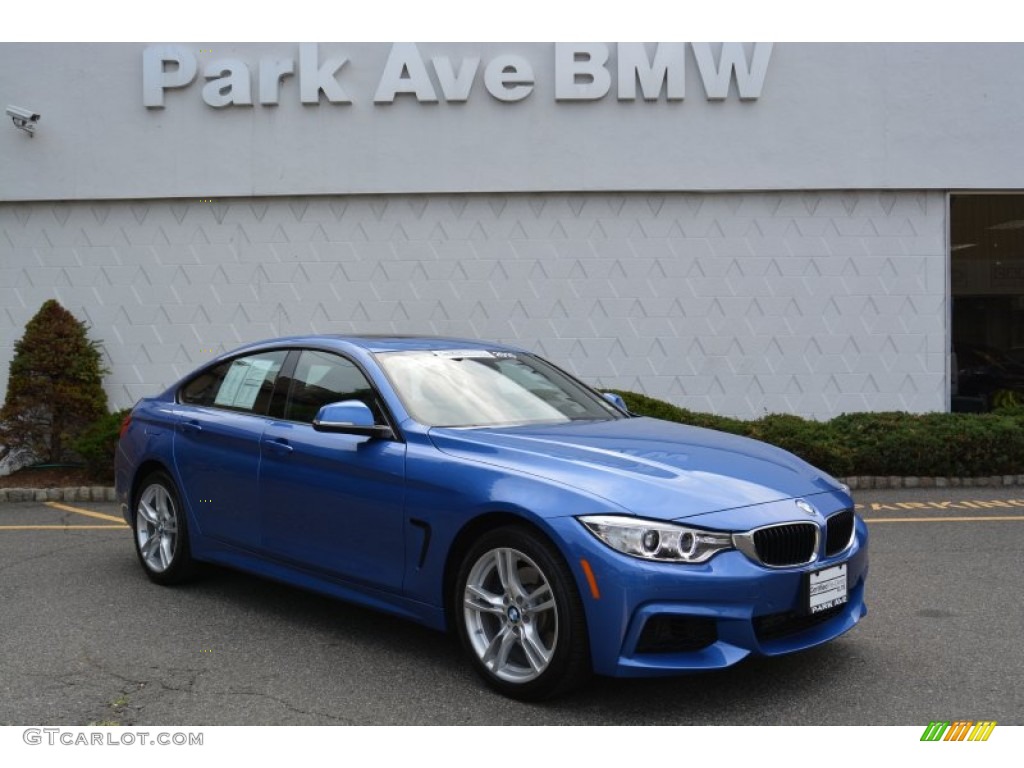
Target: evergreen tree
<point>55,388</point>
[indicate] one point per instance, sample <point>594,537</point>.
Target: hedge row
<point>98,443</point>
<point>893,443</point>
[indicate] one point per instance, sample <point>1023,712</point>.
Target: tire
<point>519,616</point>
<point>160,530</point>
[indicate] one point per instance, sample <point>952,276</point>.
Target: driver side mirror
<point>350,417</point>
<point>616,400</point>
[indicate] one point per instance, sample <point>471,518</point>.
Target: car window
<point>473,388</point>
<point>321,378</point>
<point>243,384</point>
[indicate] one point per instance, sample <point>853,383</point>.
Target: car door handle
<point>191,426</point>
<point>281,446</point>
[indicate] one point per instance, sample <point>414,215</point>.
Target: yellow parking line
<point>62,527</point>
<point>86,512</point>
<point>980,518</point>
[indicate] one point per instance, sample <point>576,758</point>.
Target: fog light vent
<point>670,633</point>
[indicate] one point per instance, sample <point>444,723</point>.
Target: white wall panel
<point>829,116</point>
<point>738,303</point>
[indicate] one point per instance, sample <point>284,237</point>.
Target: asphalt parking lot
<point>87,639</point>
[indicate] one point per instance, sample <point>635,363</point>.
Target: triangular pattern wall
<point>738,303</point>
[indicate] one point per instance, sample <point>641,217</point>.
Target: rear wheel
<point>519,616</point>
<point>161,530</point>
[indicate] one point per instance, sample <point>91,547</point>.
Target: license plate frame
<point>826,588</point>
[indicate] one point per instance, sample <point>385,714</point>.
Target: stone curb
<point>81,493</point>
<point>865,483</point>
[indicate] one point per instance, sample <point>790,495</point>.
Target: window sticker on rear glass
<point>242,383</point>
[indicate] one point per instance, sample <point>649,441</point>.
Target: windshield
<point>477,388</point>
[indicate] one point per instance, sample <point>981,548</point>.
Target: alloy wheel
<point>156,528</point>
<point>511,615</point>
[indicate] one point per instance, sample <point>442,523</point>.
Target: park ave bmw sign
<point>581,71</point>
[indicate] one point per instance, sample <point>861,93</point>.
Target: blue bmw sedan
<point>476,487</point>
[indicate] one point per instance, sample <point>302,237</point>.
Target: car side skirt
<point>211,551</point>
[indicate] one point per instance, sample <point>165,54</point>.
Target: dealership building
<point>736,228</point>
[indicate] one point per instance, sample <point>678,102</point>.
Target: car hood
<point>651,468</point>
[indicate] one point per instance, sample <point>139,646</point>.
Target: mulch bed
<point>48,477</point>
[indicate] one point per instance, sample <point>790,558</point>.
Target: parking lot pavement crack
<point>160,680</point>
<point>105,670</point>
<point>115,711</point>
<point>287,705</point>
<point>167,678</point>
<point>191,676</point>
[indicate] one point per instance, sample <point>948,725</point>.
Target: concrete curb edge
<point>76,493</point>
<point>865,483</point>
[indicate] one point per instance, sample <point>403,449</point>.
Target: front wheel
<point>161,531</point>
<point>519,616</point>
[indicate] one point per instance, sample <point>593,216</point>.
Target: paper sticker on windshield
<point>462,353</point>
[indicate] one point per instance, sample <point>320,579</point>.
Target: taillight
<point>124,425</point>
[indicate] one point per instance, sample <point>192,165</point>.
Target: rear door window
<point>242,384</point>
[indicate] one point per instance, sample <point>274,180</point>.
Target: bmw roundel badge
<point>805,507</point>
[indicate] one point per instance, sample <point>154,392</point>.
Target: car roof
<point>391,342</point>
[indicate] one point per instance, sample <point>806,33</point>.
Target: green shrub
<point>933,444</point>
<point>890,443</point>
<point>642,405</point>
<point>55,389</point>
<point>882,443</point>
<point>815,442</point>
<point>98,444</point>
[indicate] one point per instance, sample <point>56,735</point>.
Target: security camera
<point>25,119</point>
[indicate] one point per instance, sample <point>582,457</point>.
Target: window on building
<point>987,288</point>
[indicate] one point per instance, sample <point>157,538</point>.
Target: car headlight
<point>654,540</point>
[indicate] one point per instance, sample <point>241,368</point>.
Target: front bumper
<point>741,608</point>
